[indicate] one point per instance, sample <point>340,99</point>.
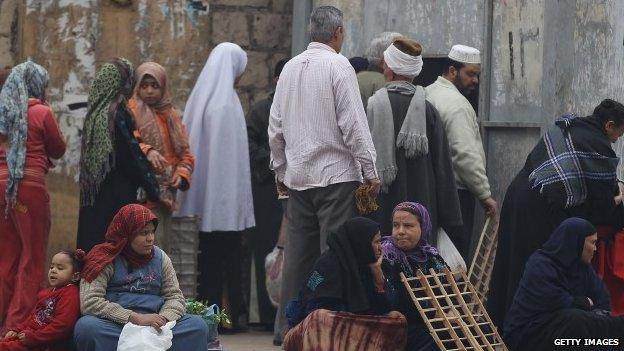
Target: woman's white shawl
<point>220,192</point>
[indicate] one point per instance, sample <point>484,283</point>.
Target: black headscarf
<point>553,278</point>
<point>336,273</point>
<point>359,63</point>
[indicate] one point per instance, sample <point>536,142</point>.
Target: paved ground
<point>250,341</point>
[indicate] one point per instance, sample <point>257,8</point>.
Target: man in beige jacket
<point>448,95</point>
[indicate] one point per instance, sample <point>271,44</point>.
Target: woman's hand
<point>11,335</point>
<point>149,320</point>
<point>157,160</point>
<point>22,337</point>
<point>378,277</point>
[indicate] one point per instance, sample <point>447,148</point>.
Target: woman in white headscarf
<point>221,191</point>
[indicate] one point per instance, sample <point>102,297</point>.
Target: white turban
<point>402,63</point>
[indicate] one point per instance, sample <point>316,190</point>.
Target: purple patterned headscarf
<point>422,252</point>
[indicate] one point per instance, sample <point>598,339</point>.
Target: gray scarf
<point>413,134</point>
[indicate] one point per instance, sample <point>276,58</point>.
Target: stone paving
<point>250,341</point>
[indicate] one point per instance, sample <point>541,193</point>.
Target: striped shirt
<point>318,132</point>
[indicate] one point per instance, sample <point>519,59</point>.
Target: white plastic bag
<point>273,266</point>
<point>449,252</point>
<point>141,338</point>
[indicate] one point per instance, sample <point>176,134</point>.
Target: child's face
<point>143,242</point>
<point>61,271</point>
<point>149,90</point>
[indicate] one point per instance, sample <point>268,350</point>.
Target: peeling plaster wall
<point>573,57</point>
<point>9,10</point>
<point>74,37</point>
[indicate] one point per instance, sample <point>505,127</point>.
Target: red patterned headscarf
<point>125,226</point>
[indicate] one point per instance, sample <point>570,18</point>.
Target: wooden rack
<point>482,265</point>
<point>452,311</point>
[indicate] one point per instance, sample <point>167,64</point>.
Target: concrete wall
<point>436,24</point>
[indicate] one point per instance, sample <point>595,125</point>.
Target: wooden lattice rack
<point>482,265</point>
<point>452,311</point>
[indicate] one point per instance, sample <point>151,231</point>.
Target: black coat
<point>119,188</point>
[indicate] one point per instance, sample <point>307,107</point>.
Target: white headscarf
<point>402,63</point>
<point>220,192</point>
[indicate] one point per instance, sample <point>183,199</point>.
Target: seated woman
<point>560,295</point>
<point>408,251</point>
<point>128,279</point>
<point>345,292</point>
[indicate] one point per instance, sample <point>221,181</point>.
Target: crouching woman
<point>343,304</point>
<point>129,279</point>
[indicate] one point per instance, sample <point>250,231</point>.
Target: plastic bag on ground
<point>142,338</point>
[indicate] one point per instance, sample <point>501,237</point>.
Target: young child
<point>164,141</point>
<point>50,325</point>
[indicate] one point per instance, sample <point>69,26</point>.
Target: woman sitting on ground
<point>346,289</point>
<point>560,295</point>
<point>408,251</point>
<point>129,279</point>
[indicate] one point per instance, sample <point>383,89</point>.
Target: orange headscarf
<point>122,230</point>
<point>146,115</point>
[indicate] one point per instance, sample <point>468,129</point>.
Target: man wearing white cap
<point>413,157</point>
<point>460,78</point>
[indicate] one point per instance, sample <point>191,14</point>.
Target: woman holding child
<point>129,279</point>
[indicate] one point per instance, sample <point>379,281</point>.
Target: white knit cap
<point>402,63</point>
<point>465,54</point>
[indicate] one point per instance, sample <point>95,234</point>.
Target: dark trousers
<point>262,239</point>
<point>461,235</point>
<point>219,263</point>
<point>312,214</point>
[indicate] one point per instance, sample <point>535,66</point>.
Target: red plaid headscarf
<point>122,230</point>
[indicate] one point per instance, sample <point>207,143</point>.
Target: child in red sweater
<point>49,327</point>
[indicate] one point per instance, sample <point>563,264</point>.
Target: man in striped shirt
<point>321,147</point>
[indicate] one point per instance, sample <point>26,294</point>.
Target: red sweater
<point>44,139</point>
<point>52,322</point>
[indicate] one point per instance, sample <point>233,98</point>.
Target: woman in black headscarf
<point>560,295</point>
<point>569,173</point>
<point>346,278</point>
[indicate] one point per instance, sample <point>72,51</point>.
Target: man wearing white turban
<point>448,94</point>
<point>413,158</point>
<point>372,79</point>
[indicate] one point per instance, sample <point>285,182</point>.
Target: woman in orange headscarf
<point>163,139</point>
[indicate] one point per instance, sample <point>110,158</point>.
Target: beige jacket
<point>462,130</point>
<point>93,296</point>
<point>369,82</point>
